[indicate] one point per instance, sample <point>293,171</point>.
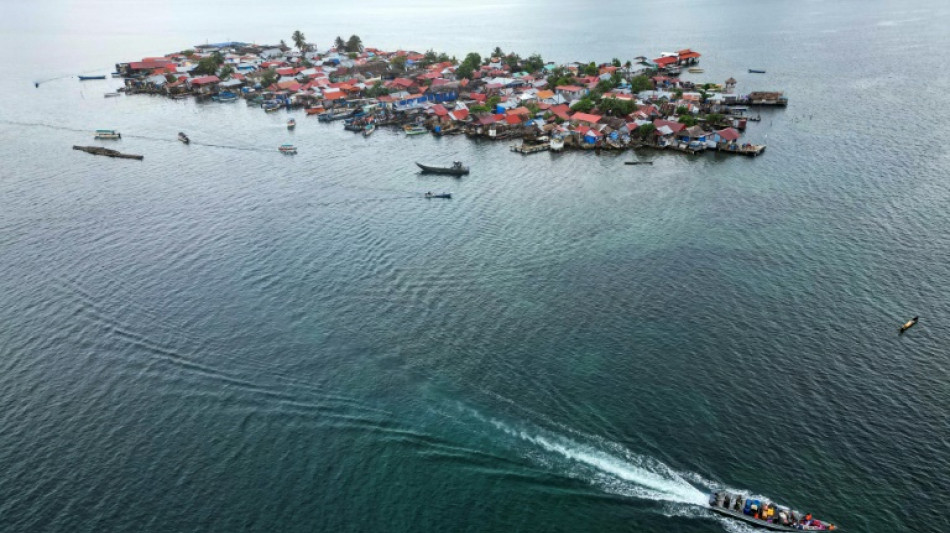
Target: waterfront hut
<point>204,84</point>
<point>585,119</point>
<point>722,138</point>
<point>688,57</point>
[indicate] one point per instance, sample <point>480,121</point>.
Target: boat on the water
<point>87,78</point>
<point>287,149</point>
<point>314,110</point>
<point>445,195</point>
<point>330,116</point>
<point>98,150</point>
<point>907,325</point>
<point>695,70</point>
<point>271,106</point>
<point>457,169</point>
<point>369,129</point>
<point>108,134</point>
<point>765,514</point>
<point>415,130</point>
<point>638,162</point>
<point>227,97</point>
<point>291,124</point>
<point>183,138</point>
<point>111,95</point>
<point>116,74</point>
<point>756,71</point>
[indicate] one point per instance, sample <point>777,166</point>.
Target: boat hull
<point>771,526</point>
<point>442,170</point>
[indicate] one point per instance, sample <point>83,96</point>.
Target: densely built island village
<point>613,106</point>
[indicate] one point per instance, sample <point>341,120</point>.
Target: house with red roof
<point>571,92</point>
<point>585,118</point>
<point>562,111</point>
<point>204,84</point>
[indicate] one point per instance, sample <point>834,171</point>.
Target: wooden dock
<point>751,150</point>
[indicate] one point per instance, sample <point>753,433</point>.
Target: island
<point>637,103</point>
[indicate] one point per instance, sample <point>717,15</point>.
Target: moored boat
<point>446,195</point>
<point>291,124</point>
<point>415,130</point>
<point>287,149</point>
<point>111,95</point>
<point>271,106</point>
<point>695,70</point>
<point>183,138</point>
<point>457,169</point>
<point>330,116</point>
<point>314,110</point>
<point>765,514</point>
<point>108,134</point>
<point>369,129</point>
<point>756,71</point>
<point>87,78</point>
<point>227,97</point>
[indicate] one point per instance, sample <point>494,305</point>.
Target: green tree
<point>492,103</point>
<point>206,66</point>
<point>300,41</point>
<point>376,90</point>
<point>640,83</point>
<point>339,43</point>
<point>269,78</point>
<point>615,62</point>
<point>682,110</point>
<point>512,60</point>
<point>478,108</point>
<point>430,57</point>
<point>533,107</point>
<point>714,118</point>
<point>226,72</point>
<point>398,63</point>
<point>471,62</point>
<point>646,130</point>
<point>583,105</point>
<point>496,52</point>
<point>189,53</point>
<point>443,57</point>
<point>354,44</point>
<point>678,93</point>
<point>533,63</point>
<point>689,120</point>
<point>283,45</point>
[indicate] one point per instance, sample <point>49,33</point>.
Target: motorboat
<point>446,195</point>
<point>369,129</point>
<point>108,135</point>
<point>287,149</point>
<point>87,78</point>
<point>457,169</point>
<point>756,71</point>
<point>765,514</point>
<point>291,124</point>
<point>183,138</point>
<point>111,95</point>
<point>415,130</point>
<point>695,70</point>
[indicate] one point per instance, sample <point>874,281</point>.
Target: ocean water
<point>222,338</point>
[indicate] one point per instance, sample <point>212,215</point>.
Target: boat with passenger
<point>907,325</point>
<point>288,149</point>
<point>291,124</point>
<point>183,138</point>
<point>108,134</point>
<point>457,169</point>
<point>765,514</point>
<point>446,195</point>
<point>369,129</point>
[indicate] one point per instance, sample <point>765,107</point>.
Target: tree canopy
<point>533,63</point>
<point>339,43</point>
<point>583,105</point>
<point>269,78</point>
<point>300,41</point>
<point>640,83</point>
<point>398,62</point>
<point>354,44</point>
<point>471,62</point>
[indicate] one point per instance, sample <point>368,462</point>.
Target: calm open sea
<point>221,338</point>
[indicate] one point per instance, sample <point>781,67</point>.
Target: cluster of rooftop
<point>612,105</point>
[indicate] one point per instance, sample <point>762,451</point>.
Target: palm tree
<point>300,41</point>
<point>339,43</point>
